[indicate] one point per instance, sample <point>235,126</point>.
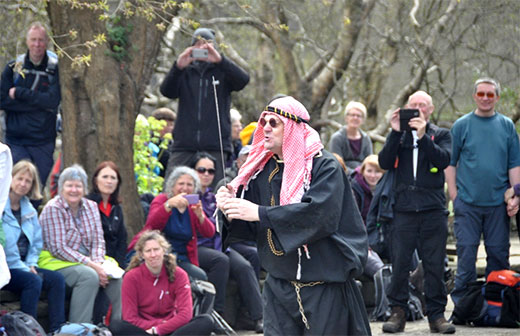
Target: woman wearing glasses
<point>350,142</point>
<point>179,221</point>
<point>219,264</point>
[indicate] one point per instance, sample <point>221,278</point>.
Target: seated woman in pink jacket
<point>179,221</point>
<point>156,294</point>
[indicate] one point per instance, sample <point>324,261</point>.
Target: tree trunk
<point>100,102</point>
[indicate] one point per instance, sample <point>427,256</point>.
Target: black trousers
<point>427,232</point>
<point>330,309</point>
<point>199,325</point>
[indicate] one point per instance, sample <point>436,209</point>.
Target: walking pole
<point>215,83</point>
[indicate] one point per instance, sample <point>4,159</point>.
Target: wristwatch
<point>168,206</point>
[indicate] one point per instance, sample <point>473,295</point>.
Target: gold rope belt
<point>297,286</point>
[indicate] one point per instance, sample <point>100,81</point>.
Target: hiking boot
<point>396,321</point>
<point>442,326</point>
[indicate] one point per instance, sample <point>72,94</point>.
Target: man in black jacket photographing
<point>191,80</point>
<point>419,156</point>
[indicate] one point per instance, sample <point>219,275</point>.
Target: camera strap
<point>415,154</point>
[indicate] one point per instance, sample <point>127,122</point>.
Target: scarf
<point>300,144</point>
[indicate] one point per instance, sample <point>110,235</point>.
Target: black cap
<point>205,33</point>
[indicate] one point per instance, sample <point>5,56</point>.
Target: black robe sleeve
<point>326,220</point>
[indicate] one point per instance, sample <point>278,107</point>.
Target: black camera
<point>404,118</point>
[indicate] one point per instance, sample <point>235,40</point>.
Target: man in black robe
<point>310,235</point>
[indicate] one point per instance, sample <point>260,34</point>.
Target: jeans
<point>248,286</point>
<point>250,252</point>
<point>216,266</point>
<point>471,222</point>
<point>29,285</point>
<point>40,155</point>
<point>194,272</point>
<point>427,232</point>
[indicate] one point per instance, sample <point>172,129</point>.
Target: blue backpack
<point>82,329</point>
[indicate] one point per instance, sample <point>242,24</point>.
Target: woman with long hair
<point>106,183</point>
<point>157,294</point>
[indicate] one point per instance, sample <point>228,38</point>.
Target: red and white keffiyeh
<point>300,144</point>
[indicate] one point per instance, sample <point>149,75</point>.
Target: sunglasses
<point>488,94</point>
<point>203,170</point>
<point>272,122</point>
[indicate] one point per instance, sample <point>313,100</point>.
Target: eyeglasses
<point>488,94</point>
<point>272,122</point>
<point>355,115</point>
<point>203,170</point>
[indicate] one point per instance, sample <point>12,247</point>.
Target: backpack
<point>495,302</point>
<point>502,294</point>
<point>82,329</point>
<point>19,323</point>
<point>382,311</point>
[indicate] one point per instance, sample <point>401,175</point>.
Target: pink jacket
<point>152,301</point>
<point>158,217</point>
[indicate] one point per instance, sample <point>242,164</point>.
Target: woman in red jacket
<point>156,295</point>
<point>179,221</point>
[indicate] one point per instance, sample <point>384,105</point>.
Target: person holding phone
<point>179,221</point>
<point>419,155</point>
<point>191,81</point>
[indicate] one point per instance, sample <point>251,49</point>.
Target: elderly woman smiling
<point>73,234</point>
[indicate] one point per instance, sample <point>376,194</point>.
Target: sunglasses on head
<point>272,122</point>
<point>488,94</point>
<point>203,170</point>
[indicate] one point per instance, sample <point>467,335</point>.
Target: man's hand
<point>419,124</point>
<point>184,58</point>
<point>394,121</point>
<point>213,54</point>
<point>237,208</point>
<point>513,206</point>
<point>223,194</point>
<point>12,92</point>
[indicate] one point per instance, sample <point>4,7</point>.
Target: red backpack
<point>502,293</point>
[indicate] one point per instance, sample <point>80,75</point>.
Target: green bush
<point>146,162</point>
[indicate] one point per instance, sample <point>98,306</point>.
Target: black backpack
<point>19,323</point>
<point>382,312</point>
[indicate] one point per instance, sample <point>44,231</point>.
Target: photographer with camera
<point>191,80</point>
<point>418,151</point>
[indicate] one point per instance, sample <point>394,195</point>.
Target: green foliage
<point>118,38</point>
<point>146,163</point>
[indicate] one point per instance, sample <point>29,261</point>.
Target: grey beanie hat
<point>205,33</point>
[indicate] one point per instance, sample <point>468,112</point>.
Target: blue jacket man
<point>30,95</point>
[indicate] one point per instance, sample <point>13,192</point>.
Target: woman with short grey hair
<point>74,245</point>
<point>178,214</point>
